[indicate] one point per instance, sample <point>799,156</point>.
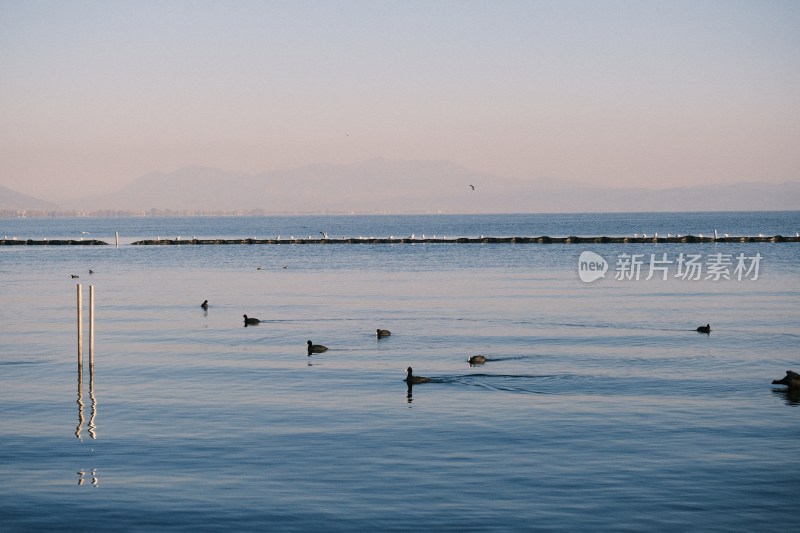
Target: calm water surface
<point>599,408</point>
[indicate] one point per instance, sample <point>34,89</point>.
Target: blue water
<point>599,408</point>
<point>380,226</point>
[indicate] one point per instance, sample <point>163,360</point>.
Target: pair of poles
<point>91,325</point>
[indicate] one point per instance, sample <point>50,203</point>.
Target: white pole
<point>116,237</point>
<point>91,326</point>
<point>80,328</point>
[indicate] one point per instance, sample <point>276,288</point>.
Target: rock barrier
<point>52,242</point>
<point>409,240</point>
<point>473,240</point>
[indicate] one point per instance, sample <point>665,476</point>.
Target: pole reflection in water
<point>93,414</point>
<point>82,477</point>
<point>79,427</point>
<point>92,425</point>
<point>92,429</point>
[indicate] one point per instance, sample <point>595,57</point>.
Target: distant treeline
<point>40,213</point>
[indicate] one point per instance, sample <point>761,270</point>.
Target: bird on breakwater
<point>477,360</point>
<point>704,329</point>
<point>383,333</point>
<point>250,321</point>
<point>316,348</point>
<point>411,378</point>
<point>324,235</point>
<point>204,305</point>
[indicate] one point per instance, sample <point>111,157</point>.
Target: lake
<point>599,406</point>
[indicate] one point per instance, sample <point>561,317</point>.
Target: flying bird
<point>473,187</point>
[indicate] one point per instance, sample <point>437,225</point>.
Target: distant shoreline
<point>38,214</point>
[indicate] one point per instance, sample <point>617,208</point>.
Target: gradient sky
<point>622,93</point>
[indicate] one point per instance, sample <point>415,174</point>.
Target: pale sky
<point>622,93</point>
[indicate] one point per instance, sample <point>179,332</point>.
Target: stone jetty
<point>414,240</point>
<point>52,242</point>
<point>472,240</point>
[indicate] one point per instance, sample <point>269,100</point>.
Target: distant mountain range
<point>402,186</point>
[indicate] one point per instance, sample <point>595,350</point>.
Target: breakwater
<point>52,242</point>
<point>471,240</point>
<point>412,240</point>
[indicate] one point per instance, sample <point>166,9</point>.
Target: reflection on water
<point>79,427</point>
<point>82,477</point>
<point>92,425</point>
<point>92,429</point>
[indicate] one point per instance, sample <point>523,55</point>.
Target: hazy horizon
<point>608,93</point>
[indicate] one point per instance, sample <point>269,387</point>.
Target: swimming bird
<point>791,380</point>
<point>477,360</point>
<point>91,271</point>
<point>704,329</point>
<point>73,276</point>
<point>411,378</point>
<point>251,321</point>
<point>316,348</point>
<point>383,333</point>
<point>204,305</point>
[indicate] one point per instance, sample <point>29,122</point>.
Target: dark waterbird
<point>704,329</point>
<point>412,379</point>
<point>316,348</point>
<point>477,360</point>
<point>73,276</point>
<point>791,380</point>
<point>383,333</point>
<point>204,305</point>
<point>250,321</point>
